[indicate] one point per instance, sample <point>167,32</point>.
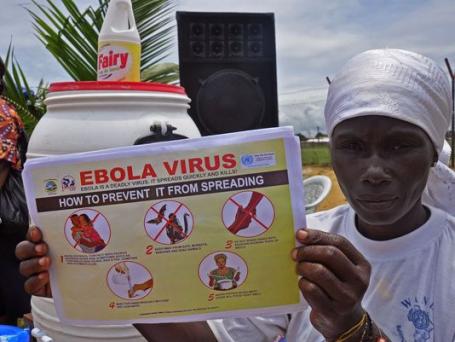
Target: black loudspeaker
<point>228,68</point>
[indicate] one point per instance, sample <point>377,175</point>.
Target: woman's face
<point>83,220</point>
<point>382,166</point>
<point>220,262</point>
<point>75,220</point>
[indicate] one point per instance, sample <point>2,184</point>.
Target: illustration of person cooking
<point>223,277</point>
<point>84,233</point>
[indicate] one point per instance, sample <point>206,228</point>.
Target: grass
<point>315,154</point>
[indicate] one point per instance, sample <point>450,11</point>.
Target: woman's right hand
<point>35,263</point>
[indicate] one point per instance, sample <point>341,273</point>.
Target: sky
<point>314,39</point>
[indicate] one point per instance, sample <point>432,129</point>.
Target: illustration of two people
<point>84,233</point>
<point>223,277</point>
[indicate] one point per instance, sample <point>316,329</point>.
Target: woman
<point>223,277</point>
<point>14,302</point>
<point>383,265</point>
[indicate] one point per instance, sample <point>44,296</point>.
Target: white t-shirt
<point>411,295</point>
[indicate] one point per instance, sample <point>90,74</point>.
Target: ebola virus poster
<point>171,232</point>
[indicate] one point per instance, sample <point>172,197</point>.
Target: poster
<point>170,232</point>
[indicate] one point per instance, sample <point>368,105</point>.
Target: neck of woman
<point>411,221</point>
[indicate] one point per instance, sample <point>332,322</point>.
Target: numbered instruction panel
<point>171,232</point>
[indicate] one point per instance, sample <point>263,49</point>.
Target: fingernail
<point>39,249</point>
<point>294,254</point>
<point>41,276</point>
<point>35,234</point>
<point>302,234</point>
<point>42,261</point>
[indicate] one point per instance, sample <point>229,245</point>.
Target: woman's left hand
<point>334,278</point>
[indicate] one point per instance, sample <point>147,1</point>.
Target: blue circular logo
<point>50,185</point>
<point>247,159</point>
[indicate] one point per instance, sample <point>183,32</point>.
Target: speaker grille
<point>227,66</point>
<point>230,100</point>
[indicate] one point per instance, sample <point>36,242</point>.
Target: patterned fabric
<point>11,129</point>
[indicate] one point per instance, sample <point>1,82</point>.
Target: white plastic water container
<point>45,318</point>
<point>119,44</point>
<point>88,116</point>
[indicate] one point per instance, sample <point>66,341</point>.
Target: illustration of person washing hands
<point>123,269</point>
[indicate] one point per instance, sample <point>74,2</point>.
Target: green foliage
<point>29,104</point>
<point>73,39</point>
<point>302,137</point>
<point>315,154</point>
<point>162,73</point>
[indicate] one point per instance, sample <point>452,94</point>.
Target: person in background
<point>441,181</point>
<point>381,267</point>
<point>14,301</point>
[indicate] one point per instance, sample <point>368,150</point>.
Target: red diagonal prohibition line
<point>164,227</point>
<point>252,216</point>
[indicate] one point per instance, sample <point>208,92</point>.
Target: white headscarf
<point>402,85</point>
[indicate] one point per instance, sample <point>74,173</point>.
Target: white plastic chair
<point>316,190</point>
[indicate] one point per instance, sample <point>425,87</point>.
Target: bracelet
<point>368,334</point>
<point>367,326</point>
<point>367,330</point>
<point>352,331</point>
<point>380,338</point>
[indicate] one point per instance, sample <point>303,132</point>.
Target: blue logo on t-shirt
<point>419,314</point>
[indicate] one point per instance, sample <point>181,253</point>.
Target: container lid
<point>11,333</point>
<point>105,85</point>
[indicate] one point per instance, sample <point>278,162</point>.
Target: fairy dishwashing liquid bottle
<point>119,44</point>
